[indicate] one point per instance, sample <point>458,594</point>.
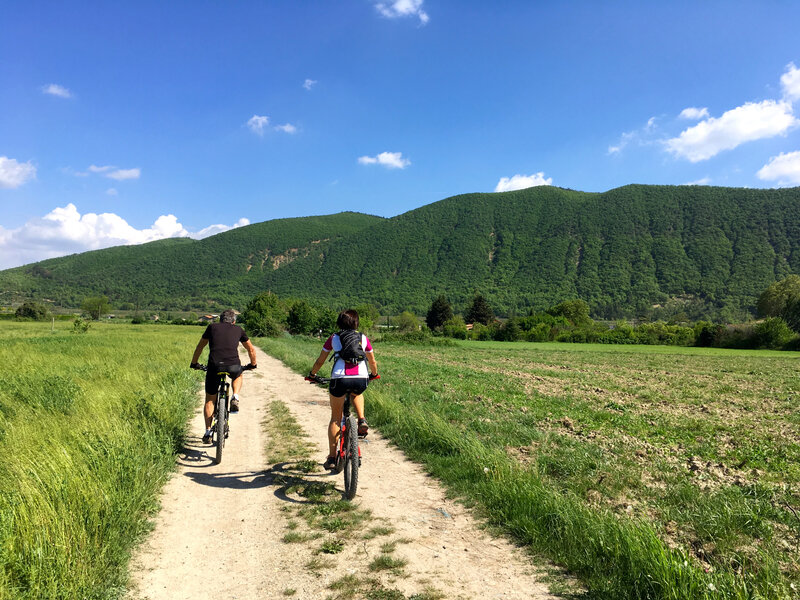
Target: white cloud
<point>784,168</point>
<point>702,181</point>
<point>112,172</point>
<point>219,228</point>
<point>640,137</point>
<point>123,174</point>
<point>257,124</point>
<point>309,83</point>
<point>288,128</point>
<point>693,114</point>
<point>752,121</point>
<point>14,174</point>
<point>390,160</point>
<point>54,89</point>
<point>112,192</point>
<point>403,8</point>
<point>790,82</point>
<point>520,182</point>
<point>65,231</point>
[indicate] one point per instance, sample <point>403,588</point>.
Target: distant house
<point>208,318</point>
<point>154,317</point>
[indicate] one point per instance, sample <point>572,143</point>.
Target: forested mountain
<point>712,249</point>
<point>180,272</point>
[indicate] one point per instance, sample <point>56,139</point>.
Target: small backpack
<point>352,353</point>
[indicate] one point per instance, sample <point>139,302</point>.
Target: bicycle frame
<point>340,444</point>
<point>348,450</point>
<point>220,425</point>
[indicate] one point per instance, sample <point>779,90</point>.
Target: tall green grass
<point>463,411</point>
<point>89,425</point>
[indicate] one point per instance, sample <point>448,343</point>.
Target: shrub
<point>81,325</point>
<point>481,332</point>
<point>407,322</point>
<point>455,328</point>
<point>33,311</point>
<point>264,315</point>
<point>772,333</point>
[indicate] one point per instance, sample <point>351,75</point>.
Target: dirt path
<point>219,533</point>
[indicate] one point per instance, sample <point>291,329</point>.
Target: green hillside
<point>177,273</point>
<point>623,251</point>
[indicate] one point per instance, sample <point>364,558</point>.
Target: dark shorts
<point>213,379</point>
<point>354,385</point>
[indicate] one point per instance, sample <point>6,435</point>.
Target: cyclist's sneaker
<point>330,463</point>
<point>207,437</point>
<point>363,428</point>
<point>235,404</point>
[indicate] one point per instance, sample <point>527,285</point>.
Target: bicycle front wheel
<point>220,433</point>
<point>351,460</point>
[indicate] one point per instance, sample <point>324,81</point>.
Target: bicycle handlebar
<point>322,380</point>
<point>199,367</point>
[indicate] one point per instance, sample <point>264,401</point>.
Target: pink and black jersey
<point>341,369</point>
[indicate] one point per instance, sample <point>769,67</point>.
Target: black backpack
<point>351,352</point>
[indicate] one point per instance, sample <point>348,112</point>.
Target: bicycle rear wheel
<point>220,433</point>
<point>351,460</point>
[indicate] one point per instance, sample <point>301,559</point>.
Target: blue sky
<point>124,122</point>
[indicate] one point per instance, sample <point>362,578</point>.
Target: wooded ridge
<point>712,250</point>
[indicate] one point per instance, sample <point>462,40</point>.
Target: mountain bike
<point>220,425</point>
<point>348,451</point>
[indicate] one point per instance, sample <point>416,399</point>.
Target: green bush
<point>32,311</point>
<point>772,333</point>
<point>455,328</point>
<point>264,316</point>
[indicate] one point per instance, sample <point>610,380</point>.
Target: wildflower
<point>711,587</point>
<point>485,469</point>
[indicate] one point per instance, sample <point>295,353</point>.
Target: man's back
<point>223,340</point>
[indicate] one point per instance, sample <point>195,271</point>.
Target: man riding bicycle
<point>346,376</point>
<point>223,339</point>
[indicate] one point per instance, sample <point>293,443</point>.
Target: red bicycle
<point>348,450</point>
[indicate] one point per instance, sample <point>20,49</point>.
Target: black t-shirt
<point>223,341</point>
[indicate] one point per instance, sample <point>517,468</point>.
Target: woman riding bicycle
<point>349,374</point>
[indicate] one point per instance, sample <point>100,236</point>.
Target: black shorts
<point>213,379</point>
<point>354,385</point>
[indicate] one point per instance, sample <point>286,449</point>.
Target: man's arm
<point>199,350</point>
<point>373,365</point>
<point>251,350</point>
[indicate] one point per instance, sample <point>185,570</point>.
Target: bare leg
<point>208,412</point>
<point>358,402</point>
<point>237,384</point>
<point>337,404</point>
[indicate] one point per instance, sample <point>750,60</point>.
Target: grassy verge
<point>649,472</point>
<point>332,534</point>
<point>89,424</point>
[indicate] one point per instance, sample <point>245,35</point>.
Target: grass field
<point>89,424</point>
<point>650,472</point>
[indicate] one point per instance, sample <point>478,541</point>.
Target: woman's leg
<point>337,405</point>
<point>358,402</point>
